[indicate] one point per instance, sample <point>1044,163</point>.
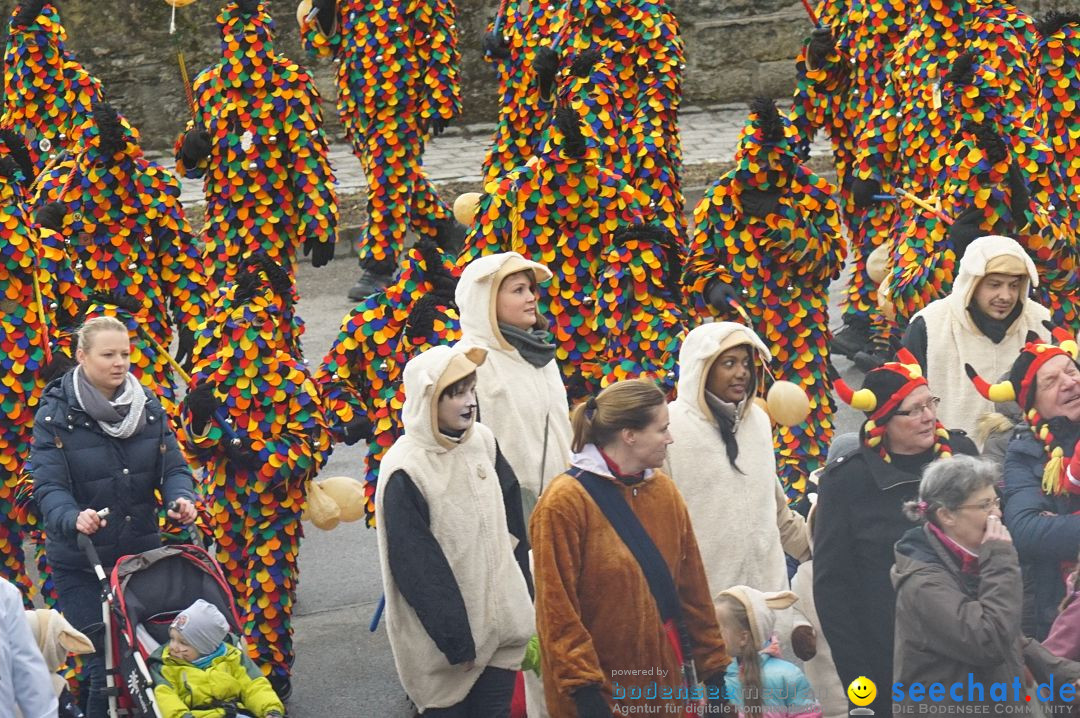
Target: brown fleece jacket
<point>595,616</point>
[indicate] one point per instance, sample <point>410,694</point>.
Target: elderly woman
<point>102,441</point>
<point>620,618</point>
<point>860,516</point>
<point>959,594</point>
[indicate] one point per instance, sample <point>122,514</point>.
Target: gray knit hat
<point>202,626</point>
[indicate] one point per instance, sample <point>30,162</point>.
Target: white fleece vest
<point>734,515</point>
<point>952,339</point>
<point>469,522</point>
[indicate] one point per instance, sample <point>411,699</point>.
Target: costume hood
<point>992,254</point>
<point>700,349</point>
<point>477,289</point>
<point>761,610</point>
<point>424,379</point>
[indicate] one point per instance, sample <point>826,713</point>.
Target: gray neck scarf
<point>119,417</point>
<point>534,345</point>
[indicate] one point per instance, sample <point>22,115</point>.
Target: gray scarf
<point>120,417</point>
<point>534,345</point>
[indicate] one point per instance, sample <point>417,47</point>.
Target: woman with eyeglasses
<point>959,595</point>
<point>860,516</point>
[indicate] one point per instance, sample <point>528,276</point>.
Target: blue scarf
<point>204,661</point>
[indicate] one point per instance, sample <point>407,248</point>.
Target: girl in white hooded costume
<point>724,464</point>
<point>452,546</point>
<point>519,387</point>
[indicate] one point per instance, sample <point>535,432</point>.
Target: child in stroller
<point>199,673</point>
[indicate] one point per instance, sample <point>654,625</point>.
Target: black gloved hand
<point>965,229</point>
<point>240,453</point>
<point>863,190</point>
<point>590,703</point>
<point>28,11</point>
<point>804,642</point>
<point>760,202</point>
<point>438,125</point>
<point>196,146</point>
<point>321,252</point>
<point>51,216</point>
<point>820,45</point>
<point>247,8</point>
<point>1020,200</point>
<point>327,14</point>
<point>545,64</point>
<point>359,429</point>
<point>202,404</point>
<point>714,692</point>
<point>10,170</point>
<point>496,46</point>
<point>60,365</point>
<point>719,294</point>
<point>185,348</point>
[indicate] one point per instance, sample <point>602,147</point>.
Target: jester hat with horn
<point>1020,386</point>
<point>883,391</point>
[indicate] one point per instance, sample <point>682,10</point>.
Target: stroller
<point>139,601</point>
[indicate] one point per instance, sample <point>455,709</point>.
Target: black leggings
<point>489,697</point>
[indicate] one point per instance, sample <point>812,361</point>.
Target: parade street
<point>341,668</point>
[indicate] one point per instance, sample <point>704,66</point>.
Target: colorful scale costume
<point>269,186</point>
<point>397,76</point>
<point>48,95</point>
<point>560,210</point>
<point>640,38</point>
<point>24,252</point>
<point>360,376</point>
<point>837,98</point>
<point>1059,65</point>
<point>255,496</point>
<point>911,126</point>
<point>981,164</point>
<point>639,307</point>
<point>783,262</point>
<point>523,111</point>
<point>127,235</point>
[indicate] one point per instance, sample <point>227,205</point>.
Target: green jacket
<point>184,691</point>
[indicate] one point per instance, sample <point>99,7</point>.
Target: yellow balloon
<point>348,494</point>
<point>179,3</point>
<point>465,207</point>
<point>788,404</point>
<point>877,264</point>
<point>862,691</point>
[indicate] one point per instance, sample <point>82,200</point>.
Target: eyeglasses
<point>986,506</point>
<point>930,406</point>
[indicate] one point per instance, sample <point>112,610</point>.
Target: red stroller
<point>139,601</point>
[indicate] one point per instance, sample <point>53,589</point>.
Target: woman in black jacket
<point>102,441</point>
<point>860,517</point>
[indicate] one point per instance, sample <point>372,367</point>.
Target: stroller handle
<point>193,530</point>
<point>90,550</point>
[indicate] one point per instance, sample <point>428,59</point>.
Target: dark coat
<point>859,520</point>
<point>951,624</point>
<point>1044,529</point>
<point>75,466</point>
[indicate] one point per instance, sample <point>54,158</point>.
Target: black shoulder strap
<point>626,525</point>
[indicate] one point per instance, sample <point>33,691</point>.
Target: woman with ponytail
<point>617,619</point>
<point>860,516</point>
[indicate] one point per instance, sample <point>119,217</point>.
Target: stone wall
<point>735,49</point>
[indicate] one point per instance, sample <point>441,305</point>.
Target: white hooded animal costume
<point>524,405</point>
<point>953,339</point>
<point>466,517</point>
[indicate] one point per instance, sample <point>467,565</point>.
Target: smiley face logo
<point>862,691</point>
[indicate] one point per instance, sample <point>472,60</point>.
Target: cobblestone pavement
<point>709,134</point>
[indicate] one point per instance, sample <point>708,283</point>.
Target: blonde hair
<point>622,405</point>
<point>748,656</point>
<point>92,327</point>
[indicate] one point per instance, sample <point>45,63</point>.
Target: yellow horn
<point>864,400</point>
<point>1002,392</point>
